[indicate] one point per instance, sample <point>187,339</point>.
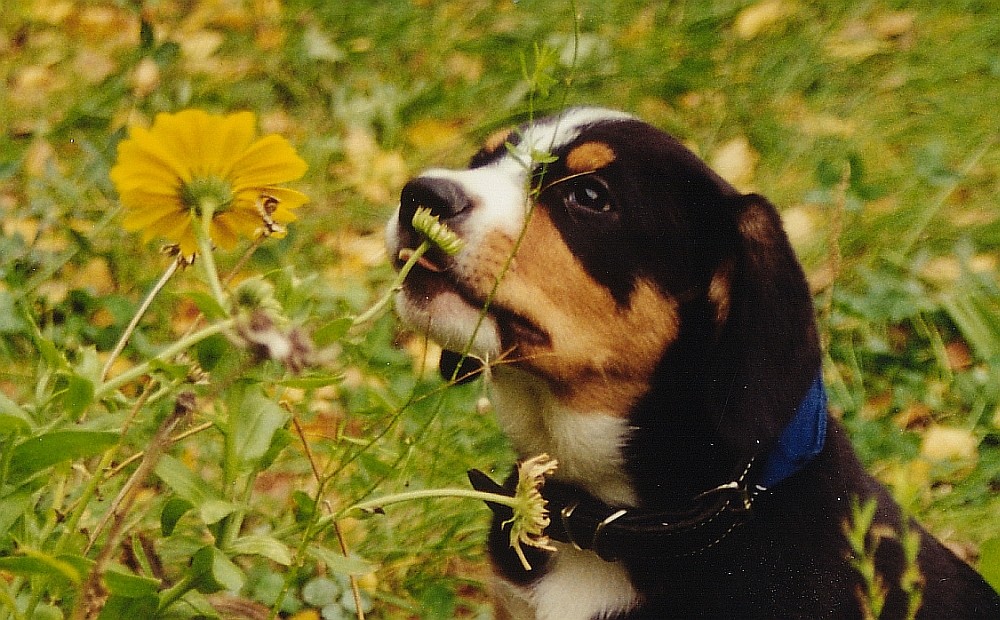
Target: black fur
<point>723,392</point>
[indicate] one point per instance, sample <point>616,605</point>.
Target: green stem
<point>169,352</point>
<point>378,503</point>
<point>395,287</point>
<point>120,346</point>
<point>176,591</point>
<point>203,234</point>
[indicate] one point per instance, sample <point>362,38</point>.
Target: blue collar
<point>801,440</point>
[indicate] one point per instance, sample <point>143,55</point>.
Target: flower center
<point>207,190</point>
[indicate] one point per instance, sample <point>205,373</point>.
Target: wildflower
<point>437,233</point>
<point>262,335</point>
<point>193,164</point>
<point>531,516</point>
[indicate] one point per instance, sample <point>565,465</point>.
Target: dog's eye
<point>589,194</point>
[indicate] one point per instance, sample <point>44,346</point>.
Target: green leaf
<point>989,562</point>
<point>12,507</point>
<point>321,591</point>
<point>78,396</point>
<point>332,332</point>
<point>174,371</point>
<point>12,425</point>
<point>46,348</point>
<point>305,506</point>
<point>39,453</point>
<point>129,585</point>
<point>214,510</point>
<point>976,316</point>
<point>214,572</point>
<point>264,546</point>
<point>10,322</point>
<point>10,409</point>
<point>37,563</point>
<point>188,486</point>
<point>211,351</point>
<point>119,607</point>
<point>438,602</point>
<point>253,420</point>
<point>173,510</point>
<point>207,304</point>
<point>340,564</point>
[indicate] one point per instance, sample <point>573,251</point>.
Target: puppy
<point>648,326</point>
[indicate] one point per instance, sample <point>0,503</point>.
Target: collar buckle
<point>740,496</point>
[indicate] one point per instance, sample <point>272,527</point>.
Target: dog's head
<point>605,259</point>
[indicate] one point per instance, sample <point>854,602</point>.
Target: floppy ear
<point>771,318</point>
<point>460,368</point>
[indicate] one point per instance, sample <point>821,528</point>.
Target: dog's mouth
<point>425,262</point>
<point>433,274</point>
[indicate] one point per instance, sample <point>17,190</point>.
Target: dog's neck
<point>588,445</point>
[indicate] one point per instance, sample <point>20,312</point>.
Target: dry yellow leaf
<point>945,443</point>
<point>146,77</point>
<point>756,18</point>
<point>736,161</point>
<point>432,134</point>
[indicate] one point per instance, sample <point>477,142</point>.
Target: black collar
<point>614,532</point>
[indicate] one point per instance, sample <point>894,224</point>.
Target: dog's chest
<point>577,585</point>
<point>587,445</point>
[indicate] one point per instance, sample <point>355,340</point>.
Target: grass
<point>878,114</point>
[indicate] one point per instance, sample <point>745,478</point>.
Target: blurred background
<point>872,124</point>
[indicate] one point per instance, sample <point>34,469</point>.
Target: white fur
<point>499,195</point>
<point>582,586</point>
<point>578,585</point>
<point>586,444</point>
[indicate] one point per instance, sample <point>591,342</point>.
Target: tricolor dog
<point>648,326</point>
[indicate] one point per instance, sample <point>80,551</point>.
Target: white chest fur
<point>588,445</point>
<point>577,585</point>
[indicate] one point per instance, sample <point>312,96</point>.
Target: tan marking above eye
<point>589,156</point>
<point>496,140</point>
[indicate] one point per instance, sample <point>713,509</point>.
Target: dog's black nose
<point>443,197</point>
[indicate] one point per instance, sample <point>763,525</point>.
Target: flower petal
<point>143,161</point>
<point>223,233</point>
<point>267,161</point>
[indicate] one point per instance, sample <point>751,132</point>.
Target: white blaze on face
<point>499,195</point>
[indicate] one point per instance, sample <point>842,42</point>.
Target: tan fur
<point>719,292</point>
<point>589,156</point>
<point>601,354</point>
<point>496,140</point>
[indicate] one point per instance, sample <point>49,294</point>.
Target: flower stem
<point>202,233</point>
<point>174,349</point>
<point>123,340</point>
<point>378,503</point>
<point>395,287</point>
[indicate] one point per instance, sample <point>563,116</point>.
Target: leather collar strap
<point>612,532</point>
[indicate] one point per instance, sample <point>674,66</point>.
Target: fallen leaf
<point>736,161</point>
<point>945,443</point>
<point>756,18</point>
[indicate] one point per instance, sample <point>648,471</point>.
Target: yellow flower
<point>192,162</point>
<point>531,515</point>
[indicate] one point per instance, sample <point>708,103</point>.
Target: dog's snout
<point>443,197</point>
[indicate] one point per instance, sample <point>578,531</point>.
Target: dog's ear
<point>771,314</point>
<point>460,368</point>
